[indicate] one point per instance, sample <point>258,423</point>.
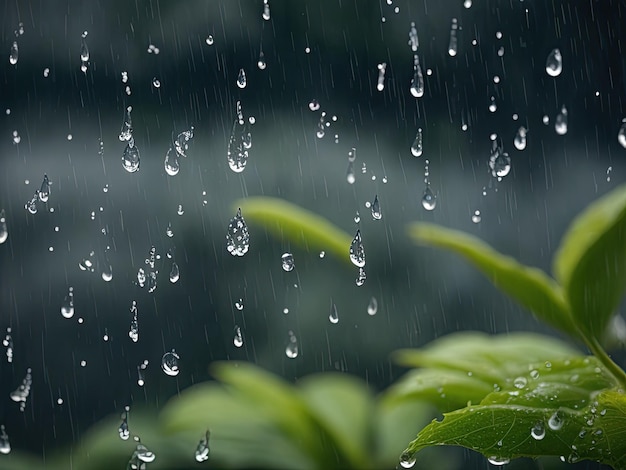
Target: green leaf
<point>562,407</point>
<point>591,262</point>
<point>343,406</point>
<point>531,287</point>
<point>298,225</point>
<point>464,367</point>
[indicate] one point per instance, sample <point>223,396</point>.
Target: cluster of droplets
<point>133,332</point>
<point>141,373</point>
<point>123,430</point>
<point>560,123</point>
<point>380,85</point>
<point>237,236</point>
<point>240,141</point>
<point>141,456</point>
<point>84,52</point>
<point>41,195</point>
<point>178,148</point>
<point>149,280</point>
<point>20,395</point>
<point>292,349</point>
<point>7,342</point>
<point>14,51</point>
<point>67,307</point>
<point>499,161</point>
<point>350,174</point>
<point>453,43</point>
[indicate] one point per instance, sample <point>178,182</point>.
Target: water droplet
<point>241,79</point>
<point>554,63</point>
<point>560,123</point>
<point>493,107</point>
<point>380,86</point>
<point>520,138</point>
<point>261,62</point>
<point>498,461</point>
<point>322,254</point>
<point>174,273</point>
<point>333,316</point>
<point>7,342</point>
<point>5,446</point>
<point>429,200</point>
<point>127,124</point>
<point>357,251</point>
<point>361,277</point>
<point>538,432</point>
<point>375,207</point>
<point>133,333</point>
<point>476,218</point>
<point>287,262</point>
<point>238,339</point>
<point>4,232</point>
<point>314,105</point>
<point>237,236</point>
<point>209,40</point>
<point>467,3</point>
<point>372,307</point>
<point>130,157</point>
<point>556,421</point>
<point>14,53</point>
<point>416,147</point>
<point>239,143</point>
<point>202,449</point>
<point>499,162</point>
<point>67,307</point>
<point>519,382</point>
<point>534,374</point>
<point>417,82</point>
<point>84,50</point>
<point>350,175</point>
<point>123,429</point>
<point>452,45</point>
<point>621,134</point>
<point>180,210</point>
<point>142,453</point>
<point>291,350</point>
<point>169,363</point>
<point>31,206</point>
<point>407,460</point>
<point>156,83</point>
<point>44,191</point>
<point>266,10</point>
<point>239,305</point>
<point>20,395</point>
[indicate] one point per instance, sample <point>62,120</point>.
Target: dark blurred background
<point>326,50</point>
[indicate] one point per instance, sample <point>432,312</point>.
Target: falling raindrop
<point>202,449</point>
<point>238,339</point>
<point>476,217</point>
<point>156,83</point>
<point>241,79</point>
<point>314,105</point>
<point>169,363</point>
<point>333,316</point>
<point>237,236</point>
<point>209,40</point>
<point>291,350</point>
<point>174,273</point>
<point>357,251</point>
<point>361,277</point>
<point>238,143</point>
<point>5,446</point>
<point>20,395</point>
<point>266,10</point>
<point>372,307</point>
<point>413,39</point>
<point>44,191</point>
<point>375,207</point>
<point>14,53</point>
<point>453,44</point>
<point>429,200</point>
<point>172,165</point>
<point>520,138</point>
<point>381,76</point>
<point>7,342</point>
<point>621,134</point>
<point>31,206</point>
<point>350,174</point>
<point>130,157</point>
<point>554,63</point>
<point>67,307</point>
<point>417,146</point>
<point>133,332</point>
<point>560,123</point>
<point>127,125</point>
<point>417,82</point>
<point>143,453</point>
<point>261,62</point>
<point>287,262</point>
<point>123,428</point>
<point>4,232</point>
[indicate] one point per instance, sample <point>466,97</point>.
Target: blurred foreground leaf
<point>298,225</point>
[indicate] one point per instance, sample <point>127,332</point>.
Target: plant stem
<point>596,348</point>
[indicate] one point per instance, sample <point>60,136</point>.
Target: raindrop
<point>554,63</point>
<point>452,45</point>
<point>417,82</point>
<point>407,460</point>
<point>476,217</point>
<point>14,54</point>
<point>560,123</point>
<point>493,107</point>
<point>429,200</point>
<point>237,236</point>
<point>467,3</point>
<point>127,125</point>
<point>361,278</point>
<point>291,350</point>
<point>322,254</point>
<point>621,134</point>
<point>4,232</point>
<point>357,251</point>
<point>133,332</point>
<point>333,316</point>
<point>20,395</point>
<point>84,50</point>
<point>180,210</point>
<point>241,79</point>
<point>239,305</point>
<point>417,147</point>
<point>209,40</point>
<point>413,39</point>
<point>498,461</point>
<point>44,191</point>
<point>266,10</point>
<point>381,76</point>
<point>144,454</point>
<point>375,207</point>
<point>287,262</point>
<point>156,83</point>
<point>174,273</point>
<point>238,339</point>
<point>130,157</point>
<point>608,180</point>
<point>350,174</point>
<point>7,342</point>
<point>31,206</point>
<point>67,307</point>
<point>261,62</point>
<point>372,307</point>
<point>314,105</point>
<point>520,138</point>
<point>555,422</point>
<point>519,382</point>
<point>202,450</point>
<point>5,446</point>
<point>172,165</point>
<point>538,432</point>
<point>169,363</point>
<point>238,143</point>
